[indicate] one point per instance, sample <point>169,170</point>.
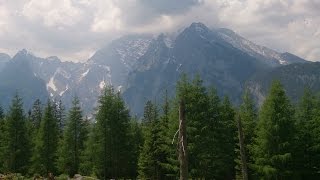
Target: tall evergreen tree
<point>3,139</point>
<point>135,144</point>
<point>248,116</point>
<point>227,140</point>
<point>306,150</point>
<point>73,140</point>
<point>17,149</point>
<point>45,156</point>
<point>59,113</point>
<point>197,106</point>
<point>274,142</point>
<point>1,112</point>
<point>151,156</point>
<point>112,136</point>
<point>211,133</point>
<point>36,114</point>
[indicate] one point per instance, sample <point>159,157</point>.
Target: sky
<point>75,29</point>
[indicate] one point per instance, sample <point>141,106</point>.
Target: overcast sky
<point>75,29</point>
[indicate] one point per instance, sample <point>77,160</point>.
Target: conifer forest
<point>195,134</point>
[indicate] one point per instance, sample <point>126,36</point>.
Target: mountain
<point>269,56</point>
<point>4,58</point>
<point>196,50</point>
<point>143,66</point>
<point>294,77</point>
<point>18,77</point>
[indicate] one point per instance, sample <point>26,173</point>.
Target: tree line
<point>279,140</point>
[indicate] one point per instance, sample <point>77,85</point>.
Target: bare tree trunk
<point>183,143</point>
<point>244,166</point>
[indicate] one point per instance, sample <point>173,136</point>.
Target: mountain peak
<point>24,52</point>
<point>53,58</point>
<point>199,27</point>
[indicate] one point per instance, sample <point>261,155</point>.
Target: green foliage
<point>247,113</point>
<point>16,145</point>
<point>275,132</point>
<point>153,157</point>
<point>111,135</point>
<point>3,138</point>
<point>279,142</point>
<point>36,114</point>
<point>45,155</point>
<point>72,144</point>
<point>307,148</point>
<point>211,130</point>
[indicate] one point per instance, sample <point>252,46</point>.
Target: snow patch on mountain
<point>51,85</point>
<point>249,47</point>
<point>62,92</point>
<point>64,73</point>
<point>84,74</point>
<point>102,84</point>
<point>132,49</point>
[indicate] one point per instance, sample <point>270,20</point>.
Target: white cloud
<point>106,18</point>
<point>74,28</point>
<point>52,12</point>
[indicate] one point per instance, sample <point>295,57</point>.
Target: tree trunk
<point>244,166</point>
<point>183,143</point>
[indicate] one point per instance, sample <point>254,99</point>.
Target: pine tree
<point>88,158</point>
<point>45,155</point>
<point>17,149</point>
<point>3,139</point>
<point>73,140</point>
<point>248,117</point>
<point>148,160</point>
<point>165,146</point>
<point>153,159</point>
<point>36,114</point>
<point>211,133</point>
<point>228,139</point>
<point>1,113</point>
<point>59,113</point>
<point>306,150</point>
<point>135,144</point>
<point>274,142</point>
<point>112,136</point>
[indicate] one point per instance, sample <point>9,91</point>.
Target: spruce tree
<point>135,145</point>
<point>3,139</point>
<point>248,116</point>
<point>1,113</point>
<point>45,155</point>
<point>306,150</point>
<point>17,147</point>
<point>59,113</point>
<point>274,142</point>
<point>112,136</point>
<point>88,158</point>
<point>227,140</point>
<point>36,114</point>
<point>147,164</point>
<point>165,146</point>
<point>73,140</point>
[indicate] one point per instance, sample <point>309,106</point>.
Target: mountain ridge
<point>156,62</point>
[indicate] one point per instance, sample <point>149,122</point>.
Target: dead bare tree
<point>183,158</point>
<point>244,167</point>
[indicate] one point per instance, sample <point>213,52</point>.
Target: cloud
<point>74,29</point>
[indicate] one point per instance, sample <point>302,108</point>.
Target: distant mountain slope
<point>4,58</point>
<point>18,77</point>
<point>196,50</point>
<point>294,77</point>
<point>265,54</point>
